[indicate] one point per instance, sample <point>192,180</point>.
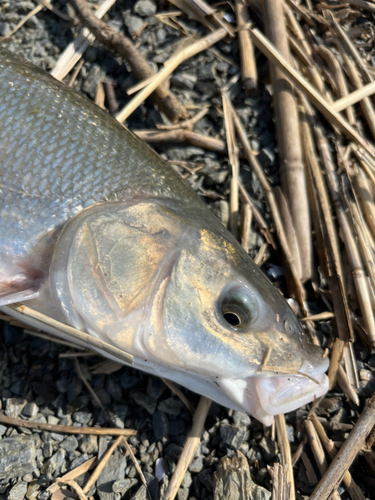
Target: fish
<point>100,233</point>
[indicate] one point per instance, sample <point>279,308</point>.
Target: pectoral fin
<point>18,287</point>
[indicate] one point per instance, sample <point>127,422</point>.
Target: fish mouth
<point>266,396</point>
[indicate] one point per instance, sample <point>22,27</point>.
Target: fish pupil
<point>232,319</point>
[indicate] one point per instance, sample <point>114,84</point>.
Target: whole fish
<point>98,232</point>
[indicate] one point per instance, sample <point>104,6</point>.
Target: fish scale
<point>87,159</point>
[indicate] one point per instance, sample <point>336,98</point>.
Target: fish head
<point>174,289</point>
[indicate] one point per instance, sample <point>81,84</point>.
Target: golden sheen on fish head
<point>176,291</point>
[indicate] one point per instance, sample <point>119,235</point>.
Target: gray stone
<point>196,465</point>
<point>30,410</point>
<point>123,485</point>
<point>18,491</point>
<point>95,76</point>
<point>47,449</point>
<point>160,425</point>
<point>82,417</point>
<point>133,23</point>
<point>3,430</point>
<point>155,387</point>
<point>184,81</point>
<point>177,427</point>
<point>241,419</point>
<point>128,381</point>
<point>113,388</point>
<point>260,493</point>
<point>5,29</point>
<point>171,406</point>
<point>147,402</point>
<point>232,480</point>
<point>113,471</point>
<point>14,406</point>
<point>17,457</point>
<point>70,443</point>
<point>89,445</point>
<point>145,8</point>
<point>182,494</point>
<point>268,448</point>
<point>54,463</point>
<point>232,436</point>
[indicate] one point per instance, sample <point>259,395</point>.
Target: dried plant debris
<point>307,65</point>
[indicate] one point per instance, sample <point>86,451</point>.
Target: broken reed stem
<point>310,472</point>
<point>47,324</point>
<point>330,236</point>
<point>160,77</point>
<point>354,97</point>
<point>351,247</point>
<point>318,452</point>
<point>365,103</point>
<point>363,190</point>
<point>246,216</point>
<point>334,118</point>
<point>347,453</point>
<point>249,75</point>
<point>73,474</point>
<point>342,35</point>
<point>66,429</point>
<point>354,490</point>
<point>103,462</point>
<point>89,388</point>
<point>268,194</point>
<point>258,218</point>
<point>190,448</point>
<point>286,456</point>
<point>338,76</point>
<point>234,163</point>
<point>335,360</point>
<point>347,389</point>
<point>164,99</point>
<point>176,390</point>
<point>292,173</point>
<point>281,488</point>
<point>136,465</point>
<point>185,136</point>
<point>288,227</point>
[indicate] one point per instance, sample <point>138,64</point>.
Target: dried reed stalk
<point>338,76</point>
<point>347,453</point>
<point>103,462</point>
<point>289,228</point>
<point>161,76</point>
<point>318,452</point>
<point>74,473</point>
<point>337,353</point>
<point>249,74</point>
<point>66,429</point>
<point>286,456</point>
<point>47,324</point>
<point>281,487</point>
<point>363,190</point>
<point>329,232</point>
<point>292,172</point>
<point>269,50</point>
<point>350,48</point>
<point>268,193</point>
<point>365,103</point>
<point>234,163</point>
<point>310,472</point>
<point>190,448</point>
<point>74,51</point>
<point>246,216</point>
<point>354,97</point>
<point>164,99</point>
<point>359,277</point>
<point>353,489</point>
<point>199,140</point>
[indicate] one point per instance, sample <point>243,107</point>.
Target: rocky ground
<point>38,385</point>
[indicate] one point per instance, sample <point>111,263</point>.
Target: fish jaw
<point>264,396</point>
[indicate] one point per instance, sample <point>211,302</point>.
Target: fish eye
<point>238,308</point>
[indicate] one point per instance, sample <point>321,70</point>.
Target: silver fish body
<point>98,232</point>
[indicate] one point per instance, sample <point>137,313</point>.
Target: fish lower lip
<point>283,394</point>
